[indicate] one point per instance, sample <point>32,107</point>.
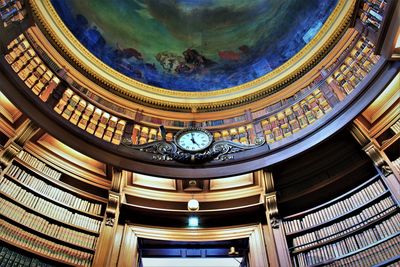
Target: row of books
<point>354,68</point>
<point>346,225</point>
<point>377,254</point>
<point>371,13</point>
<point>304,112</point>
<point>30,68</point>
<point>396,127</point>
<point>37,223</point>
<point>10,257</point>
<point>352,243</point>
<point>11,11</point>
<point>296,117</point>
<point>92,119</point>
<point>213,123</point>
<point>39,165</point>
<point>143,135</point>
<point>53,192</point>
<point>26,240</point>
<point>47,208</point>
<point>243,134</point>
<point>337,209</point>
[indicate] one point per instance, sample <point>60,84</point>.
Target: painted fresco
<point>194,45</point>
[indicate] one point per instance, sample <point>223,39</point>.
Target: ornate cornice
<point>142,93</point>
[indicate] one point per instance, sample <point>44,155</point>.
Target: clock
<point>193,139</point>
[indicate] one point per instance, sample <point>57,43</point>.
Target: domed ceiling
<point>193,45</point>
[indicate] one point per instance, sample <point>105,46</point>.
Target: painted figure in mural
<point>169,61</point>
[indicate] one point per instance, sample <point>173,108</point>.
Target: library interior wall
<point>335,204</point>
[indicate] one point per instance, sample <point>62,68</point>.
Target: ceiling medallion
<point>193,145</point>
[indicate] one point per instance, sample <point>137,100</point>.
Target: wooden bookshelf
<point>39,253</point>
<point>37,193</point>
<point>11,11</point>
<point>58,183</point>
<point>374,15</point>
<point>365,249</point>
<point>339,217</point>
<point>347,225</point>
<point>335,200</point>
<point>49,218</point>
<point>63,233</point>
<point>46,236</point>
<point>36,253</point>
<point>290,115</point>
<point>11,255</point>
<point>358,228</point>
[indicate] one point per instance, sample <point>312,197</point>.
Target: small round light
<point>193,205</point>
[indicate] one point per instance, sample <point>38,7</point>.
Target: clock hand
<point>194,142</point>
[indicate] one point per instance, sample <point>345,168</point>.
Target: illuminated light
<point>193,205</point>
<point>193,221</point>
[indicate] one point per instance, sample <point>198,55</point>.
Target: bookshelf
<point>359,222</point>
<point>29,67</point>
<point>373,15</point>
<point>41,214</point>
<point>90,118</point>
<point>274,122</point>
<point>11,11</point>
<point>11,256</point>
<point>43,247</point>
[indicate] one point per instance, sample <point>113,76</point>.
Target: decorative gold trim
<point>185,234</point>
<point>128,254</point>
<point>222,195</point>
<point>219,99</point>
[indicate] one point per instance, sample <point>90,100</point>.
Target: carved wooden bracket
<point>373,152</point>
<point>112,208</point>
<point>271,204</point>
<point>10,151</point>
<point>218,150</point>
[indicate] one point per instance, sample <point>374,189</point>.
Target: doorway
<point>160,253</point>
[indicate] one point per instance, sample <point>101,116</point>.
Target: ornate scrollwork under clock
<point>193,145</point>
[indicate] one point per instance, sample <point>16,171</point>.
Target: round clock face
<point>193,140</point>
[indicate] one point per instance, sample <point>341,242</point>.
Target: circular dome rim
<point>164,98</point>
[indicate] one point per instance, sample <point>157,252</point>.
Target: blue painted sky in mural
<point>194,45</point>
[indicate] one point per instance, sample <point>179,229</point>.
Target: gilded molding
<point>195,101</point>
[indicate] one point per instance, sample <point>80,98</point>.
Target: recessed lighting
<point>193,221</point>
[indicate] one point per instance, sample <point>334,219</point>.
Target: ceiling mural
<point>194,45</point>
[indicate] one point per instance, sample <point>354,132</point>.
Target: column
<point>274,235</point>
<point>106,241</point>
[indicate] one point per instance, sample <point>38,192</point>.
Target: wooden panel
<point>153,182</point>
<point>231,182</point>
